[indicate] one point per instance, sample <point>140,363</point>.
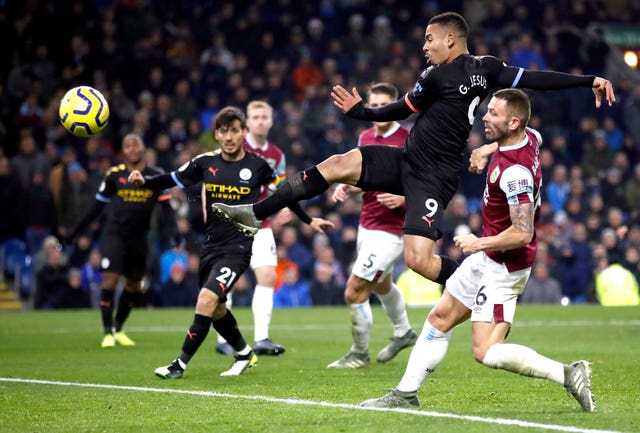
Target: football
<point>83,111</point>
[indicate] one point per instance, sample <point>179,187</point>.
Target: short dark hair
<point>518,102</point>
<point>385,89</point>
<point>453,20</point>
<point>227,115</point>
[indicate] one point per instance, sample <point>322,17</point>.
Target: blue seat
<point>15,256</point>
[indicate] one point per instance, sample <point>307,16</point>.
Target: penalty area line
<point>293,401</point>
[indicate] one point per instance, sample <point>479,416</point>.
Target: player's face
<point>498,122</point>
<point>231,137</point>
<point>259,121</point>
<point>132,149</point>
<point>380,100</point>
<point>436,44</point>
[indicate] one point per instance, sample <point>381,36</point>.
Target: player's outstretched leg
<point>577,381</point>
<point>241,216</point>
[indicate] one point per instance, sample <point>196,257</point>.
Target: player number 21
<point>226,277</point>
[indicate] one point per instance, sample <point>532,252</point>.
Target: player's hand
<point>390,201</point>
<point>320,225</point>
<point>480,157</point>
<point>339,193</point>
<point>467,243</point>
<point>343,99</point>
<point>602,87</point>
<point>136,178</point>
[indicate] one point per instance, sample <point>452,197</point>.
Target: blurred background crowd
<point>167,67</point>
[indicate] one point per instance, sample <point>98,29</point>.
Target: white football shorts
<point>263,251</point>
<point>377,252</point>
<point>487,288</point>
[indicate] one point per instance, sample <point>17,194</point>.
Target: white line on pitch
<point>292,401</point>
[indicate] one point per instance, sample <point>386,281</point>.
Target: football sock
<point>361,321</point>
<point>227,326</point>
<point>303,185</point>
<point>447,268</point>
<point>126,302</point>
<point>427,354</point>
<point>394,306</point>
<point>262,307</point>
<point>229,304</point>
<point>195,336</point>
<point>525,361</point>
<point>106,309</point>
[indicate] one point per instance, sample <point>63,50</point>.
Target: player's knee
<point>421,263</point>
<point>266,276</point>
<point>357,290</point>
<point>345,167</point>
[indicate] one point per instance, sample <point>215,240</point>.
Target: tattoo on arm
<point>522,216</point>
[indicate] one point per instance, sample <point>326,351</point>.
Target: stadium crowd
<point>166,68</point>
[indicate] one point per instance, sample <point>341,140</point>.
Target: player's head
<point>379,95</point>
<point>230,129</point>
<point>132,148</point>
<point>507,114</point>
<point>259,118</point>
<point>445,38</point>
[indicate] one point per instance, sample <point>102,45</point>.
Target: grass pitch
<point>55,378</point>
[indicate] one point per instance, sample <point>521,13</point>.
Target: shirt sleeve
<point>517,184</point>
<point>424,91</point>
<point>107,188</point>
<point>188,174</point>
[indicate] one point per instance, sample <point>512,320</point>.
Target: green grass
<point>64,347</point>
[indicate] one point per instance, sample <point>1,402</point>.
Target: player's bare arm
<point>480,157</point>
<point>136,178</point>
<point>519,234</point>
<point>390,201</point>
<point>343,99</point>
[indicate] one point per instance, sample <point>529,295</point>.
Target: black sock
<point>106,309</point>
<point>303,185</point>
<point>126,302</point>
<point>195,336</point>
<point>227,327</point>
<point>448,267</point>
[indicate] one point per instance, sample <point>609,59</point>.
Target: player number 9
<point>432,207</point>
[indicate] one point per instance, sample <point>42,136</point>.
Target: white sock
<point>229,304</point>
<point>525,361</point>
<point>394,306</point>
<point>262,307</point>
<point>361,321</point>
<point>245,351</point>
<point>426,355</point>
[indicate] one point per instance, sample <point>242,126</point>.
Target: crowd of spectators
<point>166,68</point>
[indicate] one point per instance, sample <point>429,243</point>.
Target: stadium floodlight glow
<point>631,58</point>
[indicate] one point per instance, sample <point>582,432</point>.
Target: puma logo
<point>191,334</point>
<point>122,180</point>
<point>428,221</point>
<point>304,176</point>
<point>222,287</point>
<point>213,171</point>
